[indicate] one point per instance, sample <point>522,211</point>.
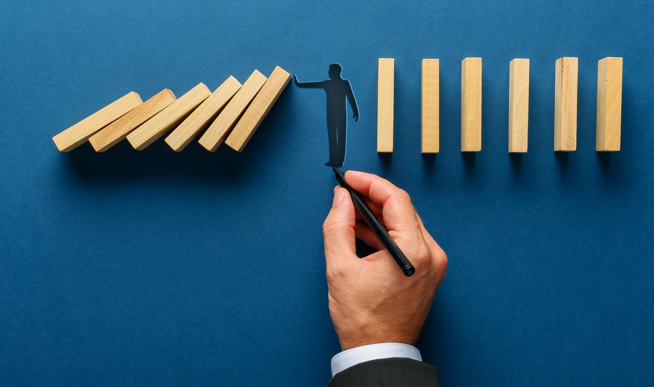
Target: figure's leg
<point>342,134</point>
<point>333,142</point>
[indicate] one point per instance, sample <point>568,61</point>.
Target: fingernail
<point>338,197</point>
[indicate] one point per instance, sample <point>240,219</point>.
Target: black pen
<point>377,228</point>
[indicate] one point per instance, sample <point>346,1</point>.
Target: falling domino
<point>518,105</point>
<point>258,109</point>
<point>385,104</point>
<point>77,134</point>
<point>430,109</point>
<point>609,104</point>
<point>166,119</point>
<point>221,127</point>
<point>565,106</point>
<point>119,129</point>
<point>202,116</point>
<point>471,105</point>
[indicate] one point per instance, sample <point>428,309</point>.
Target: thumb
<point>338,230</point>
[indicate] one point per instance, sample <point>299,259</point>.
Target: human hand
<point>370,299</point>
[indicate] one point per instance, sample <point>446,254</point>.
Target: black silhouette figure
<point>337,89</point>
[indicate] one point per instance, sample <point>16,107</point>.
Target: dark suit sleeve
<point>393,372</point>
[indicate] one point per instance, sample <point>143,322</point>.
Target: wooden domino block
<point>385,104</point>
<point>430,109</point>
<point>77,134</point>
<point>565,105</point>
<point>609,104</point>
<point>119,129</point>
<point>259,108</point>
<point>203,115</point>
<point>518,105</point>
<point>471,105</point>
<point>166,119</point>
<point>222,126</point>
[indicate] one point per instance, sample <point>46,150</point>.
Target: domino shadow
<point>516,163</point>
<point>385,161</point>
<point>194,164</point>
<point>429,161</point>
<point>469,163</point>
<point>562,161</point>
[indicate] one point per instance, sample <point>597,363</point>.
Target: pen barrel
<point>381,234</point>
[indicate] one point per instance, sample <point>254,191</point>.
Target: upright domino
<point>565,105</point>
<point>430,106</point>
<point>259,108</point>
<point>222,126</point>
<point>471,105</point>
<point>166,119</point>
<point>119,129</point>
<point>609,104</point>
<point>202,116</point>
<point>385,104</point>
<point>518,105</point>
<point>77,134</point>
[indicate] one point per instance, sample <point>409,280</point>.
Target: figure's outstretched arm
<point>353,101</point>
<point>309,85</point>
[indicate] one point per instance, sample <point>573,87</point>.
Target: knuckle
<point>429,254</point>
<point>329,273</point>
<point>334,272</point>
<point>423,254</point>
<point>418,254</point>
<point>441,260</point>
<point>331,230</point>
<point>403,195</point>
<point>329,227</point>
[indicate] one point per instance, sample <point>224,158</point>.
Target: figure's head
<point>335,71</point>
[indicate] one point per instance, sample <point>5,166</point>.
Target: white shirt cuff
<point>354,356</point>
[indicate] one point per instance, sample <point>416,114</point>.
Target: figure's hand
<point>356,116</point>
<point>370,300</point>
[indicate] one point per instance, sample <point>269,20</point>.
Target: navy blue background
<point>192,268</point>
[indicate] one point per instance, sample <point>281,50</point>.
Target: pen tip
<point>340,176</point>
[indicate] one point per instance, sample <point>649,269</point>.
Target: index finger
<point>397,210</point>
<point>378,189</point>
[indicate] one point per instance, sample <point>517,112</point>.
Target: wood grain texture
<point>203,115</point>
<point>518,105</point>
<point>166,119</point>
<point>222,126</point>
<point>385,104</point>
<point>119,129</point>
<point>430,117</point>
<point>565,105</point>
<point>609,105</point>
<point>77,134</point>
<point>259,108</point>
<point>471,105</point>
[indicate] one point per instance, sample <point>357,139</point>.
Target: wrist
<point>350,341</point>
<point>357,332</point>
